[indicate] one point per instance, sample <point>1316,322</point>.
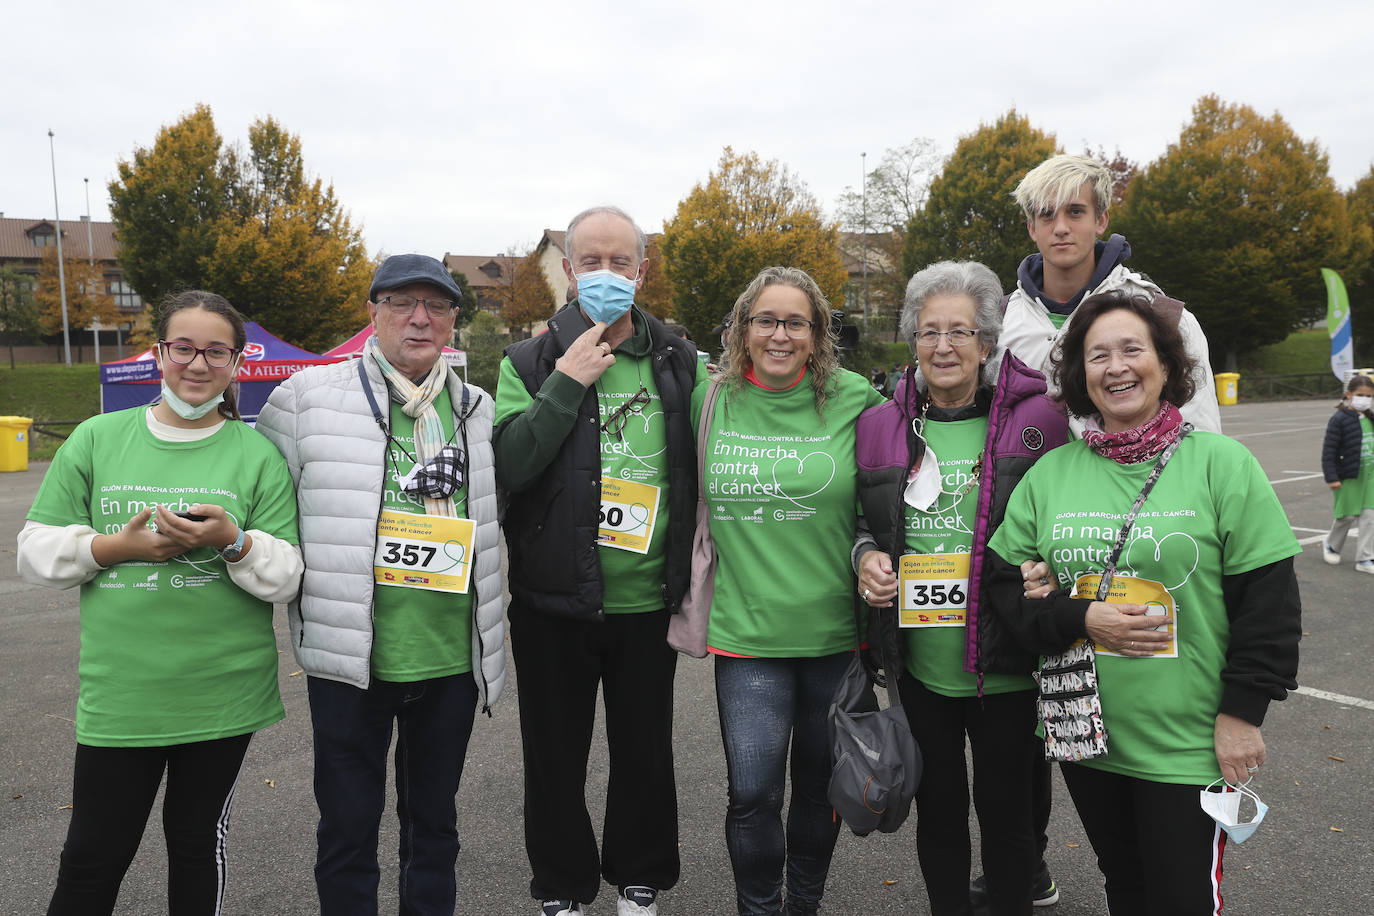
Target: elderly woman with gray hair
<point>936,466</point>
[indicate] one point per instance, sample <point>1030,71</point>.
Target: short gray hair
<point>640,238</point>
<point>958,278</point>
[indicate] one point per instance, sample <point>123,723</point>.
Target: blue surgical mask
<point>188,411</point>
<point>605,295</point>
<point>1224,808</point>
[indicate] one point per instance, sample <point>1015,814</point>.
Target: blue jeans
<point>352,732</point>
<point>765,706</point>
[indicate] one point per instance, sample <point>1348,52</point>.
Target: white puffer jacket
<point>320,420</point>
<point>1029,334</point>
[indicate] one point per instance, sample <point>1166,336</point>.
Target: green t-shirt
<point>780,485</point>
<point>171,652</point>
<point>935,654</point>
<point>1356,495</point>
<point>418,634</point>
<point>634,460</point>
<point>1212,514</point>
<point>1057,319</point>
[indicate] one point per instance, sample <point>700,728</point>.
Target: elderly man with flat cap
<point>399,617</point>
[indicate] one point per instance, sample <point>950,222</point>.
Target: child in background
<point>1348,466</point>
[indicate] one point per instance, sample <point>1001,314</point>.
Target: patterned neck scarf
<point>417,402</point>
<point>1141,443</point>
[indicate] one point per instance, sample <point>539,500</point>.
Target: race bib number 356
<point>934,589</point>
<point>422,551</point>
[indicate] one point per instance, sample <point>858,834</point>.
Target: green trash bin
<point>14,443</point>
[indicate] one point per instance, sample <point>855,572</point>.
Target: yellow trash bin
<point>14,443</point>
<point>1226,388</point>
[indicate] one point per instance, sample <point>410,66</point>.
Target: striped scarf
<point>417,402</point>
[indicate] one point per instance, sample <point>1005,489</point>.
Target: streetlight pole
<point>863,159</point>
<point>90,260</point>
<point>61,273</point>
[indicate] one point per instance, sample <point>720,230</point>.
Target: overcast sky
<point>470,128</point>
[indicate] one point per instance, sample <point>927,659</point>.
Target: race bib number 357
<point>934,589</point>
<point>423,551</point>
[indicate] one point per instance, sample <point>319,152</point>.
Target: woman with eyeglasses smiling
<point>935,466</point>
<point>178,522</point>
<point>779,481</point>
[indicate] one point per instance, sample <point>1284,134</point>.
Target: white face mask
<point>1224,808</point>
<point>1361,402</point>
<point>188,411</point>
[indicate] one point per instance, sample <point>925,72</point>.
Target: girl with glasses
<point>178,522</point>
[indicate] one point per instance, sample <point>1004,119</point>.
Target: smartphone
<point>191,516</point>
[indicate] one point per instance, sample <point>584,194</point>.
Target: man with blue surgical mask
<point>595,452</point>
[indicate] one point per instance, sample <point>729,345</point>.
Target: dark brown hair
<point>218,305</point>
<point>1070,372</point>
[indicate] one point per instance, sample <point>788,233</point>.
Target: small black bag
<point>876,764</point>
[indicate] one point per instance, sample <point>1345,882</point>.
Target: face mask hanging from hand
<point>1224,808</point>
<point>604,294</point>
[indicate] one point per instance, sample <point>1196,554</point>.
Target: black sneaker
<point>560,908</point>
<point>1044,892</point>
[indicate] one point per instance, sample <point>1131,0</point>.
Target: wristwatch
<point>233,551</point>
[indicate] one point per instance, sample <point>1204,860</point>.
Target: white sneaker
<point>1332,557</point>
<point>637,900</point>
<point>1365,566</point>
<point>561,908</point>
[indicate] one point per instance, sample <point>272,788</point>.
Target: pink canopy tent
<point>458,359</point>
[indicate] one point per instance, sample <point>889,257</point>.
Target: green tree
<point>1359,277</point>
<point>286,253</point>
<point>19,321</point>
<point>166,205</point>
<point>486,339</point>
<point>467,305</point>
<point>894,193</point>
<point>246,222</point>
<point>969,213</point>
<point>750,214</point>
<point>1235,219</point>
<point>525,296</point>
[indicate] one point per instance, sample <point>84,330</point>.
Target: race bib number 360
<point>422,551</point>
<point>628,510</point>
<point>934,589</point>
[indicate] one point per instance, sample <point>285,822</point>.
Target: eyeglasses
<point>183,354</point>
<point>763,325</point>
<point>615,423</point>
<point>405,305</point>
<point>957,337</point>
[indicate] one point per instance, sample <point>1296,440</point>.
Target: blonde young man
<point>1065,200</point>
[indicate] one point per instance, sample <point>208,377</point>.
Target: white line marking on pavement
<point>1303,542</point>
<point>1335,697</point>
<point>1276,432</point>
<point>1291,479</point>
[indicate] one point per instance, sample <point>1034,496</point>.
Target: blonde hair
<point>823,361</point>
<point>1058,180</point>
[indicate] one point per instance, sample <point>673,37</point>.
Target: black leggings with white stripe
<point>113,790</point>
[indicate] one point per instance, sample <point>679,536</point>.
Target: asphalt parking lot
<point>1313,854</point>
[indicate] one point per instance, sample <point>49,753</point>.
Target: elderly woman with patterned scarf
<point>1178,617</point>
